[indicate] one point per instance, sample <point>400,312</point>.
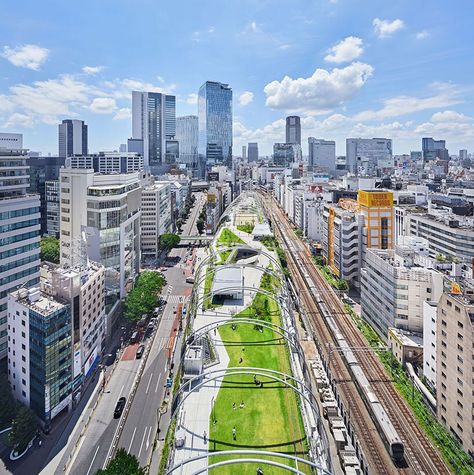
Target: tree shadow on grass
<point>234,444</point>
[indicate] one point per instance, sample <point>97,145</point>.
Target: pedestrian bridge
<point>207,237</point>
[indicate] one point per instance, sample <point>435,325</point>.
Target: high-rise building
<point>156,217</point>
<point>454,359</point>
<point>284,154</point>
<point>463,154</point>
<point>433,149</point>
<point>154,122</point>
<point>19,228</point>
<point>293,129</point>
<point>187,136</point>
<point>244,153</point>
<point>72,138</point>
<point>321,153</point>
<point>100,220</point>
<point>363,155</point>
<point>215,123</point>
<point>39,352</point>
<point>252,152</point>
<point>42,170</point>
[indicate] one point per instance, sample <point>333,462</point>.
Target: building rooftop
<point>226,277</point>
<point>36,300</point>
<point>406,338</point>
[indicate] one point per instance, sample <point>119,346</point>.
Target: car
<point>140,351</point>
<point>134,337</point>
<point>151,325</point>
<point>119,407</point>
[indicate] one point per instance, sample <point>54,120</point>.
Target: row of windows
<point>19,250</point>
<point>18,237</point>
<point>18,212</point>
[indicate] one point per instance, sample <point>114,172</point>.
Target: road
<point>140,424</point>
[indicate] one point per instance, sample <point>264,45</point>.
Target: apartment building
<point>393,288</point>
<point>352,227</point>
<point>454,363</point>
<point>108,162</point>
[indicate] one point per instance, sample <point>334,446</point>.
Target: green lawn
<point>246,228</point>
<point>271,418</point>
<point>224,255</point>
<point>228,237</point>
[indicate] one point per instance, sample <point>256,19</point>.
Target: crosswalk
<point>177,298</point>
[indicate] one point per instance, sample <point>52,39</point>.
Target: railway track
<point>373,448</point>
<point>421,455</point>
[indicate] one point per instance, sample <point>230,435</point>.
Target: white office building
<point>155,217</point>
<point>429,341</point>
<point>108,162</point>
<point>100,220</point>
<point>19,227</point>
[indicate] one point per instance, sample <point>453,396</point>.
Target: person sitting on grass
<point>242,405</point>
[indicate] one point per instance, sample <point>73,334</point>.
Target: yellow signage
<point>375,199</point>
<point>455,288</point>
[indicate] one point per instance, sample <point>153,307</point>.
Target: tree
<point>319,260</point>
<point>200,225</point>
<point>49,249</point>
<point>7,402</point>
<point>24,427</point>
<point>123,463</point>
<point>343,285</point>
<point>143,298</point>
<point>169,240</point>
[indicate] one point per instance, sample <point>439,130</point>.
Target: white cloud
<point>421,35</point>
<point>245,98</point>
<point>211,29</point>
<point>92,70</point>
<point>123,114</point>
<point>18,120</point>
<point>6,104</point>
<point>284,46</point>
<point>103,105</point>
<point>449,116</point>
<point>26,56</point>
<point>386,28</point>
<point>192,99</point>
<point>346,50</point>
<point>446,95</point>
<point>321,91</point>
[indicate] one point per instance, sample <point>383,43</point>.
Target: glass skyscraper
<point>154,122</point>
<point>188,137</point>
<point>215,123</point>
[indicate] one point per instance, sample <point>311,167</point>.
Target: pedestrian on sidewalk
<point>234,433</point>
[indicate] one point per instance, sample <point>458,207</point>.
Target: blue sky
<point>362,68</point>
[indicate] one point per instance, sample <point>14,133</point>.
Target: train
<point>390,437</point>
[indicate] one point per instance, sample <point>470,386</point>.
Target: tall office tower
<point>363,155</point>
<point>122,147</point>
<point>321,153</point>
<point>463,154</point>
<point>244,153</point>
<point>293,129</point>
<point>433,149</point>
<point>43,170</point>
<point>51,207</point>
<point>215,123</point>
<point>188,138</point>
<point>72,138</point>
<point>252,151</point>
<point>154,122</point>
<point>19,227</point>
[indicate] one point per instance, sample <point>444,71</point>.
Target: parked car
<point>134,337</point>
<point>119,407</point>
<point>140,351</point>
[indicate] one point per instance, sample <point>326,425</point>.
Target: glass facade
<point>187,135</point>
<point>215,123</point>
<point>50,359</point>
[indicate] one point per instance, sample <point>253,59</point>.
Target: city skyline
<point>355,71</point>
